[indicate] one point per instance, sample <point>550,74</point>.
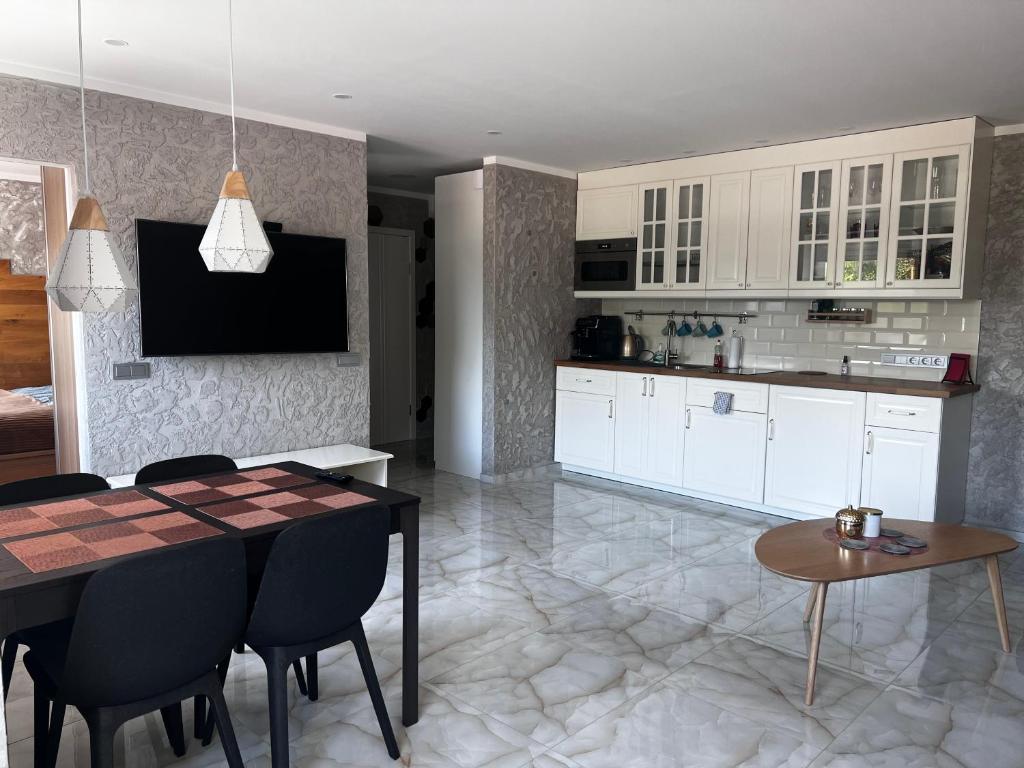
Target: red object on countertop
<point>958,370</point>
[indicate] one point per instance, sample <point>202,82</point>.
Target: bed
<point>26,433</point>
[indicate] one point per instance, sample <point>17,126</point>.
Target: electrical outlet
<point>127,371</point>
<point>915,360</point>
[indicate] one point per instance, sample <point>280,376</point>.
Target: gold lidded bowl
<point>850,523</point>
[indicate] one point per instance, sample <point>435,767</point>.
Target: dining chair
<point>142,641</point>
<point>321,576</point>
<point>25,492</point>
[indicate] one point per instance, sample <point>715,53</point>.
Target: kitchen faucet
<point>669,354</point>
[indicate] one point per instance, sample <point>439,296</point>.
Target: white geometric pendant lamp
<point>234,240</point>
<point>90,274</point>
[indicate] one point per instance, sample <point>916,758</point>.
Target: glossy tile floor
<point>573,622</point>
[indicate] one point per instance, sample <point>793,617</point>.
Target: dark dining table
<point>29,598</point>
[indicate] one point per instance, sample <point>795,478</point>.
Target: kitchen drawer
<point>922,414</point>
<point>746,396</point>
<point>586,380</point>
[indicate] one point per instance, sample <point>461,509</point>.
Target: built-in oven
<point>606,265</point>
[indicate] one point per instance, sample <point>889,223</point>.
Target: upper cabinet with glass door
<point>690,234</point>
<point>815,210</point>
<point>926,231</point>
<point>652,248</point>
<point>864,222</point>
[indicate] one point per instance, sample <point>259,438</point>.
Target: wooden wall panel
<point>24,330</point>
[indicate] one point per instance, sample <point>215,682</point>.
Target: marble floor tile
<point>617,564</point>
<point>767,686</point>
<point>667,727</point>
<point>903,730</point>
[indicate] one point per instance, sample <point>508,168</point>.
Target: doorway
<point>392,335</point>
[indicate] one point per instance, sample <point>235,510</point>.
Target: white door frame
<point>377,306</point>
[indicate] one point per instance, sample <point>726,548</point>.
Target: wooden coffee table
<point>801,551</point>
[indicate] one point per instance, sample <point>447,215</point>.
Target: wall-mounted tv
<point>297,305</point>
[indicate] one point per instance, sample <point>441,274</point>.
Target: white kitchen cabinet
<point>815,210</point>
<point>648,437</point>
<point>929,209</point>
<point>602,214</point>
<point>864,193</point>
<point>689,234</point>
<point>724,453</point>
<point>900,473</point>
<point>815,440</point>
<point>771,224</point>
<point>654,242</point>
<point>728,218</point>
<point>585,430</point>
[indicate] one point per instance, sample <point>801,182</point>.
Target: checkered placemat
<point>56,515</point>
<point>230,485</point>
<point>100,542</point>
<point>287,505</point>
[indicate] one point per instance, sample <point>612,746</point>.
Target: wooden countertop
<point>792,379</point>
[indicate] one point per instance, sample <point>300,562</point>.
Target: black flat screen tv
<point>297,305</point>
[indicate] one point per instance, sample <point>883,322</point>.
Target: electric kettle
<point>632,345</point>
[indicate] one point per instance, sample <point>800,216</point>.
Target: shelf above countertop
<point>874,384</point>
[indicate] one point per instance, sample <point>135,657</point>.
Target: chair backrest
<point>321,576</point>
<point>155,622</point>
<point>186,466</point>
<point>50,487</point>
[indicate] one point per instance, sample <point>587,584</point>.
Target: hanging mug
<point>700,329</point>
<point>715,330</point>
<point>684,329</point>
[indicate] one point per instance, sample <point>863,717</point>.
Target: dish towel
<point>723,403</point>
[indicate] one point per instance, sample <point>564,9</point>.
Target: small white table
<point>362,463</point>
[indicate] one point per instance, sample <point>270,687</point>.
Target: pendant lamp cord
<point>81,92</point>
<point>231,74</point>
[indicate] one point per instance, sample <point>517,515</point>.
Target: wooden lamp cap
<point>88,215</point>
<point>234,186</point>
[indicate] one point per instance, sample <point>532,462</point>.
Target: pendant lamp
<point>90,274</point>
<point>234,240</point>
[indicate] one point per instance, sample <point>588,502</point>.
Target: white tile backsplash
<point>781,338</point>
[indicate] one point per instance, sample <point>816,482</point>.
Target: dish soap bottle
<point>717,362</point>
<point>844,369</point>
<point>735,354</point>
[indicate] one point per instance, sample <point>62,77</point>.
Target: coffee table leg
<point>812,660</point>
<point>995,583</point>
<point>810,602</point>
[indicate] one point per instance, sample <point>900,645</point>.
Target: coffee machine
<point>597,337</point>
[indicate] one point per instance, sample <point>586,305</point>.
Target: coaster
<point>892,533</point>
<point>912,541</point>
<point>894,549</point>
<point>853,544</point>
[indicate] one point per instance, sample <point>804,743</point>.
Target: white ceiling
<point>575,84</point>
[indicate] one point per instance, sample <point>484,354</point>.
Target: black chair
<point>26,492</point>
<point>186,466</point>
<point>321,577</point>
<point>149,632</point>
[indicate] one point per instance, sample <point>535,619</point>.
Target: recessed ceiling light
<point>342,95</point>
<point>493,132</point>
<point>760,141</point>
<point>115,42</point>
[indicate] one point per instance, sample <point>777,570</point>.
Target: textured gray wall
<point>401,212</point>
<point>995,484</point>
<point>157,161</point>
<point>22,240</point>
<point>529,235</point>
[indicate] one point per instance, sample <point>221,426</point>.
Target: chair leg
<point>277,683</point>
<point>239,647</point>
<point>224,728</point>
<point>312,678</point>
<point>373,685</point>
<point>199,717</point>
<point>9,656</point>
<point>101,739</point>
<point>171,716</point>
<point>205,732</point>
<point>40,727</point>
<point>54,733</point>
<point>300,678</point>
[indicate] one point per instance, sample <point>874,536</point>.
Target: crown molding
<point>16,170</point>
<point>177,100</point>
<point>1008,130</point>
<point>528,166</point>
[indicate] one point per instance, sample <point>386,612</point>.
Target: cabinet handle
<point>748,285</point>
<point>644,393</point>
<point>902,413</point>
<point>740,284</point>
<point>583,381</point>
<point>652,383</point>
<point>889,283</point>
<point>871,442</point>
<point>771,429</point>
<point>688,414</point>
<point>611,409</point>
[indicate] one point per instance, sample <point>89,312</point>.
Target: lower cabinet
<point>585,430</point>
<point>648,433</point>
<point>900,472</point>
<point>724,453</point>
<point>815,440</point>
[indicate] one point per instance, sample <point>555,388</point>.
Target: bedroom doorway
<point>38,409</point>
